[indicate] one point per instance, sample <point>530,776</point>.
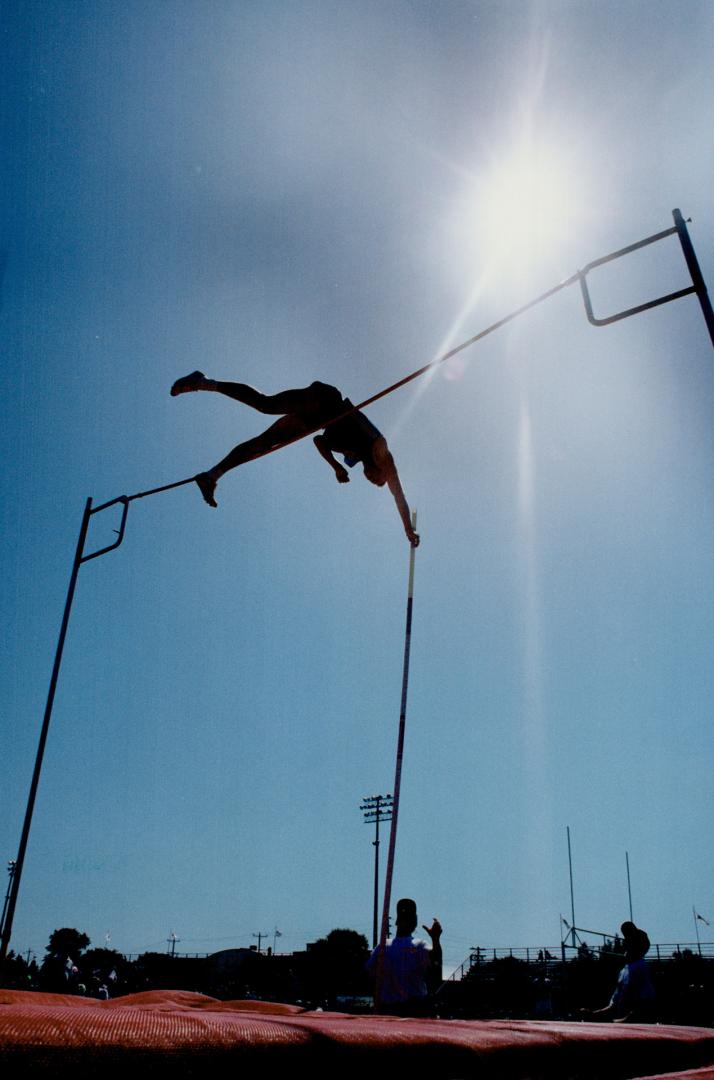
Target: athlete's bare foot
<point>187,383</point>
<point>207,486</point>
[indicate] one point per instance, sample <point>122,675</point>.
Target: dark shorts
<point>322,403</point>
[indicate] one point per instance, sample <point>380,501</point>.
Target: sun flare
<point>526,205</point>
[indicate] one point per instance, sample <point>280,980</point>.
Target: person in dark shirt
<point>407,973</point>
<point>319,405</point>
<point>633,999</point>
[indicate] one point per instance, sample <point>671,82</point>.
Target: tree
<point>67,943</point>
<point>337,964</point>
<point>18,974</point>
<point>63,952</point>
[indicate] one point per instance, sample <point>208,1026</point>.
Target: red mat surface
<point>179,1034</point>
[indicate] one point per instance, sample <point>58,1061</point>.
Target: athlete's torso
<point>353,436</point>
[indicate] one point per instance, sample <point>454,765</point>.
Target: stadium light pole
<point>377,808</point>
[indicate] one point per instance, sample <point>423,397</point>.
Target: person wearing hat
<point>301,411</point>
<point>408,972</point>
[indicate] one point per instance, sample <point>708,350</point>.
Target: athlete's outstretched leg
<point>287,401</point>
<point>282,431</point>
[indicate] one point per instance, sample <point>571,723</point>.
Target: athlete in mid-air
<point>316,406</point>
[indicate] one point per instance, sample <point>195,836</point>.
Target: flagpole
<point>629,890</point>
<point>572,897</point>
<point>696,930</point>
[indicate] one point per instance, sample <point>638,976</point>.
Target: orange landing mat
<point>177,1034</point>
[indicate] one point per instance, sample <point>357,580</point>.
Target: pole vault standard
<point>79,558</point>
<point>698,286</point>
<point>398,770</point>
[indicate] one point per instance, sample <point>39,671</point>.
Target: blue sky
<point>281,192</point>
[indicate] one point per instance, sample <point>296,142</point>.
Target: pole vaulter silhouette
<point>301,411</point>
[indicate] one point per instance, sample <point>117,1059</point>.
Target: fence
<point>556,954</point>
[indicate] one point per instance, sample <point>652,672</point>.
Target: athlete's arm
<point>385,462</point>
<point>434,932</point>
<point>340,471</point>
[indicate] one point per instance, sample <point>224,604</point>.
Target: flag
<point>701,918</point>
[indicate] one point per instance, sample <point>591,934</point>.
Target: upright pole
<point>572,900</point>
<point>629,889</point>
<point>696,929</point>
<point>694,270</point>
<point>15,886</point>
<point>400,753</point>
<point>260,937</point>
<point>375,917</point>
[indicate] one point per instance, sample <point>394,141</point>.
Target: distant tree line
<point>330,971</point>
<point>330,974</point>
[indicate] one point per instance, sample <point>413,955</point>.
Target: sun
<point>526,204</point>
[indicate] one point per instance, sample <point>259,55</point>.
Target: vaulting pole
<point>400,754</point>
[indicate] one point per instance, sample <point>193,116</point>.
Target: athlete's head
<point>637,942</point>
<point>406,916</point>
<point>378,463</point>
